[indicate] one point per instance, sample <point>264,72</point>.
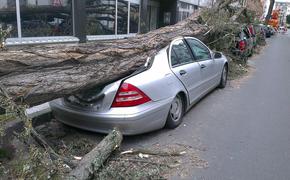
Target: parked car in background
<point>156,95</point>
<point>244,43</point>
<point>272,30</point>
<point>260,30</point>
<point>282,29</point>
<point>268,31</point>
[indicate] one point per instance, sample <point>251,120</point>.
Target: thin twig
<point>154,152</point>
<point>219,39</point>
<point>208,31</point>
<point>139,161</point>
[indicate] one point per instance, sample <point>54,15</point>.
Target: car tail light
<point>242,45</point>
<point>129,95</point>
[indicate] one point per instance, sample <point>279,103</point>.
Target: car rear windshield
<point>242,35</point>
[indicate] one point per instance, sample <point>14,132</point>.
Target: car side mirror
<point>217,55</point>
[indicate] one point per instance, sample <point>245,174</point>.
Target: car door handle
<point>182,72</point>
<point>202,66</point>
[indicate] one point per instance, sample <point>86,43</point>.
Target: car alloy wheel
<point>176,109</point>
<point>175,113</point>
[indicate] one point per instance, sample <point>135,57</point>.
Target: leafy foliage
<point>288,19</point>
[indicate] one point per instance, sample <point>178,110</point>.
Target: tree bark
<point>38,74</point>
<point>92,161</point>
<point>268,16</point>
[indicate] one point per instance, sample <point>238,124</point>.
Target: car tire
<point>176,112</point>
<point>224,77</point>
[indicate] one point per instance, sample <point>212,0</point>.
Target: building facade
<point>284,8</point>
<point>52,21</point>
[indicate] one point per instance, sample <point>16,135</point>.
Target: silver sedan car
<point>156,95</point>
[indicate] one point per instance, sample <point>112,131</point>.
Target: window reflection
<point>8,16</point>
<point>180,54</point>
<point>122,17</point>
<point>200,51</point>
<point>41,18</point>
<point>185,10</point>
<point>134,17</point>
<point>46,18</point>
<point>100,17</point>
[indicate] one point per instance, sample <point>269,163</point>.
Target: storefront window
<point>134,18</point>
<point>122,17</point>
<point>100,17</point>
<point>8,16</point>
<point>46,18</point>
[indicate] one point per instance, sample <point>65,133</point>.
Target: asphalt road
<point>244,130</point>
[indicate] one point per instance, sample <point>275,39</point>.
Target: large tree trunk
<point>268,16</point>
<point>41,73</point>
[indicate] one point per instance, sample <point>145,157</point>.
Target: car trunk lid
<point>100,98</point>
<point>95,99</point>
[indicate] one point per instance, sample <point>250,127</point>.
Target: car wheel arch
<point>227,65</point>
<point>184,100</point>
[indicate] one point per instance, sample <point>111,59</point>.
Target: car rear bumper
<point>239,52</point>
<point>130,120</point>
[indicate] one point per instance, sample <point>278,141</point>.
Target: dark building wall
<point>79,20</point>
<point>144,26</point>
<point>167,14</point>
<point>167,6</point>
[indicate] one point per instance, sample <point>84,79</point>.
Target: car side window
<point>200,51</point>
<point>174,58</point>
<point>180,54</point>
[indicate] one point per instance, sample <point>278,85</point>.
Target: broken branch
<point>94,160</point>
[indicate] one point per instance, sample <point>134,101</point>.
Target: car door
<point>207,63</point>
<point>185,68</point>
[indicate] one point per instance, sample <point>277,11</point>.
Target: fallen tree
<point>37,74</point>
<point>41,73</point>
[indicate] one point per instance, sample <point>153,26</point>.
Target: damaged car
<point>155,96</point>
